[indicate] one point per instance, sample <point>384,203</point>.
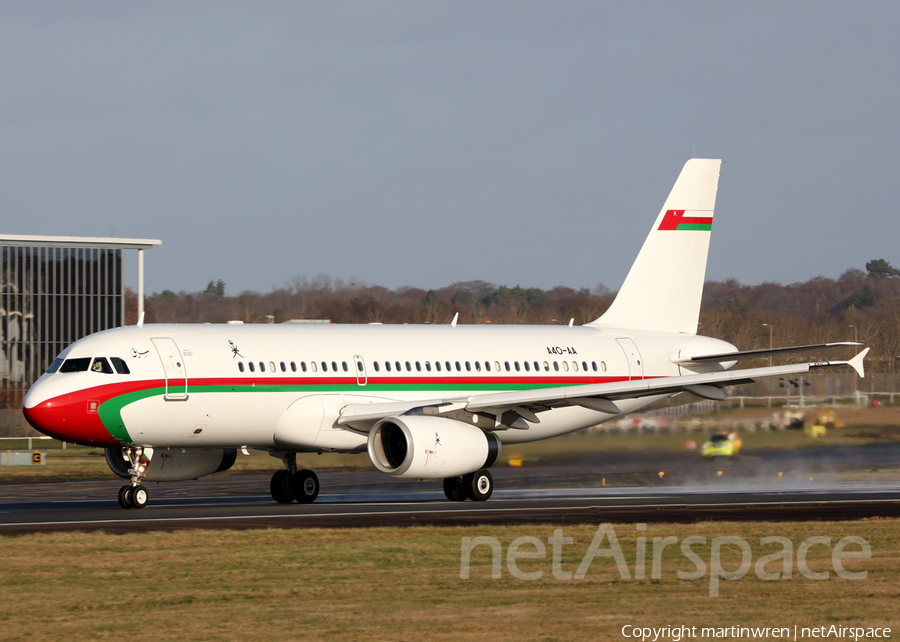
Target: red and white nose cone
<point>73,418</point>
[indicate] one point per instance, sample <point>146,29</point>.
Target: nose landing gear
<point>135,496</point>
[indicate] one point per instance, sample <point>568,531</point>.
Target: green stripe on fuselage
<point>110,411</point>
<point>700,227</point>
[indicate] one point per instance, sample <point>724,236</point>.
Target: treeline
<point>863,304</point>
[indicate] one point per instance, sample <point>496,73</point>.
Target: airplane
<point>172,402</point>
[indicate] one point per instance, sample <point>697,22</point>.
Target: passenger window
<point>468,367</point>
<point>537,367</point>
<point>293,367</point>
<point>546,366</point>
<point>437,366</point>
<point>387,366</point>
<point>283,367</point>
<point>566,366</point>
<point>344,366</point>
<point>120,365</point>
<point>603,366</point>
<point>375,363</point>
<point>397,364</point>
<point>584,366</point>
<point>359,366</point>
<point>556,366</point>
<point>487,366</point>
<point>55,365</point>
<point>478,366</point>
<point>76,365</point>
<point>457,367</point>
<point>525,363</point>
<point>240,366</point>
<point>506,365</point>
<point>101,365</point>
<point>334,366</point>
<point>408,367</point>
<point>262,366</point>
<point>303,366</point>
<point>428,366</point>
<point>252,367</point>
<point>272,366</point>
<point>516,364</point>
<point>594,365</point>
<point>324,367</point>
<point>418,367</point>
<point>447,363</point>
<point>312,364</point>
<point>575,366</point>
<point>497,366</point>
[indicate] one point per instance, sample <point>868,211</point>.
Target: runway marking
<point>388,513</point>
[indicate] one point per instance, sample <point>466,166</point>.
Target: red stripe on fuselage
<point>73,417</point>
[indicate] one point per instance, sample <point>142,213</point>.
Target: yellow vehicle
<point>721,444</point>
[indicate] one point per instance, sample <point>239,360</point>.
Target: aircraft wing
<point>756,354</point>
<point>525,404</point>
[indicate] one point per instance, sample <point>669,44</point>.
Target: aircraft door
<point>633,356</point>
<point>360,365</point>
<point>173,366</point>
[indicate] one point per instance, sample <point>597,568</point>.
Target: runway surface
<point>366,499</point>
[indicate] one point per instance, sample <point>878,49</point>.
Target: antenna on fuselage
<point>455,319</point>
<point>140,322</point>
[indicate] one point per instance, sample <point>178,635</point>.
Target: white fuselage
<point>264,386</point>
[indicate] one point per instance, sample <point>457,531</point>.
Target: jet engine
<point>176,464</point>
<point>428,447</point>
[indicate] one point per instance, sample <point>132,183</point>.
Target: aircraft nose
<point>67,417</point>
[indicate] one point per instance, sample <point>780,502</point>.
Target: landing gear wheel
<point>125,496</point>
<point>139,496</point>
<point>280,487</point>
<point>454,490</point>
<point>305,486</point>
<point>479,485</point>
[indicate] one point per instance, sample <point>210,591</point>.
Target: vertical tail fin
<point>663,288</point>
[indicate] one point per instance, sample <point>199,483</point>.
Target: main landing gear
<point>134,496</point>
<point>290,484</point>
<point>476,486</point>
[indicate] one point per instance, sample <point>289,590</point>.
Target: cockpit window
<point>80,364</point>
<point>55,365</point>
<point>101,365</point>
<point>120,365</point>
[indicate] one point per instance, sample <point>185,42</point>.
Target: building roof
<point>77,241</point>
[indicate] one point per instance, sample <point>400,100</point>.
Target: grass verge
<point>395,584</point>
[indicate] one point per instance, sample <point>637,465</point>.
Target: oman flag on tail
<point>676,220</point>
<point>664,287</point>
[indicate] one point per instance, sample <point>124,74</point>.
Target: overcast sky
<point>422,143</point>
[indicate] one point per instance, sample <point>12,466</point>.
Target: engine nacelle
<point>176,464</point>
<point>428,447</point>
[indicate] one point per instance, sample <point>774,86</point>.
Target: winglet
<point>857,363</point>
<point>455,319</point>
<point>140,322</point>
